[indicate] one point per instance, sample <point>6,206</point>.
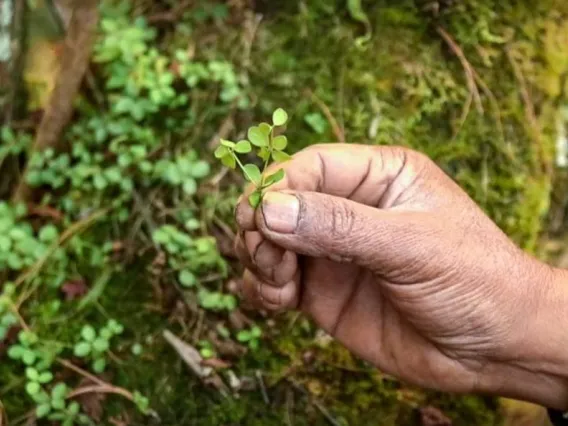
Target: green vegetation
<point>270,147</point>
<point>130,229</point>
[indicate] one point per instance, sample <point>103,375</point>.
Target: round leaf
<point>257,137</point>
<point>32,374</point>
<point>280,143</point>
<point>43,410</point>
<point>229,161</point>
<point>243,147</point>
<point>252,173</point>
<point>32,388</point>
<point>265,128</point>
<point>45,377</point>
<point>280,117</point>
<point>221,151</point>
<point>100,345</point>
<point>88,333</point>
<point>82,349</point>
<point>254,199</point>
<point>99,365</point>
<point>227,143</point>
<point>187,279</point>
<point>280,157</point>
<point>200,169</point>
<point>59,391</point>
<point>190,187</point>
<point>275,178</point>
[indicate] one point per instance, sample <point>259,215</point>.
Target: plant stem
<point>244,170</point>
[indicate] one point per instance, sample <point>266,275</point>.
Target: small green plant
<point>54,407</point>
<point>206,349</point>
<point>250,337</point>
<point>95,345</point>
<point>270,147</point>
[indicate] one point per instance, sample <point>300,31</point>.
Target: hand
<point>388,255</point>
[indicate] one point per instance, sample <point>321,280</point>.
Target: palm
<point>350,303</point>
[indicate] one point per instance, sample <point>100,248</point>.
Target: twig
<point>101,389</point>
<point>469,71</point>
<point>337,130</point>
<point>260,380</point>
<point>74,64</point>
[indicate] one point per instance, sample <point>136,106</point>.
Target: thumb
<point>324,226</point>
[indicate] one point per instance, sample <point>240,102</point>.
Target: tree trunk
<point>12,14</point>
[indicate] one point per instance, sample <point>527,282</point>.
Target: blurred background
<point>118,279</point>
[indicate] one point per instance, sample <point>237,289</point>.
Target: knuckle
<point>342,221</point>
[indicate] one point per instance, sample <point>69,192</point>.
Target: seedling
<point>269,147</point>
<point>250,337</point>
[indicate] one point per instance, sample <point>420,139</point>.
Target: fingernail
<point>281,212</point>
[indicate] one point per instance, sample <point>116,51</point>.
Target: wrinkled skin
<point>388,255</point>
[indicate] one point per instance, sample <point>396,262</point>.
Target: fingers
<point>341,230</point>
<point>361,173</point>
<point>264,295</point>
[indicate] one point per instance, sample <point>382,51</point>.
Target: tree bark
<point>74,64</point>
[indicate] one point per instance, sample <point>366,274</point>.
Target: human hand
<point>388,255</point>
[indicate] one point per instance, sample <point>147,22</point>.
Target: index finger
<point>361,173</point>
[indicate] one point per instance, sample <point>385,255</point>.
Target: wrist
<point>536,368</point>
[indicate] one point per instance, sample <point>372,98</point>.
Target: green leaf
<point>33,388</point>
<point>280,156</point>
<point>228,144</point>
<point>356,11</point>
<point>100,345</point>
<point>100,182</point>
<point>275,178</point>
<point>29,357</point>
<point>74,408</point>
<point>265,128</point>
<point>99,366</point>
<point>187,279</point>
<point>244,336</point>
<point>280,117</point>
<point>243,147</point>
<point>252,173</point>
<point>280,143</point>
<point>82,349</point>
<point>43,410</point>
<point>264,154</point>
<point>257,137</point>
<point>59,391</point>
<point>200,169</point>
<point>221,151</point>
<point>16,352</point>
<point>88,333</point>
<point>190,186</point>
<point>45,377</point>
<point>48,234</point>
<point>32,374</point>
<point>255,198</point>
<point>58,404</point>
<point>229,161</point>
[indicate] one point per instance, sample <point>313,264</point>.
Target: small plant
<point>250,337</point>
<point>95,345</point>
<point>271,147</point>
<point>206,349</point>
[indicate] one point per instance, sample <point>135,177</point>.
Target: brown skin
<point>387,254</point>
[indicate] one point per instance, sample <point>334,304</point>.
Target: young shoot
<point>268,147</point>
